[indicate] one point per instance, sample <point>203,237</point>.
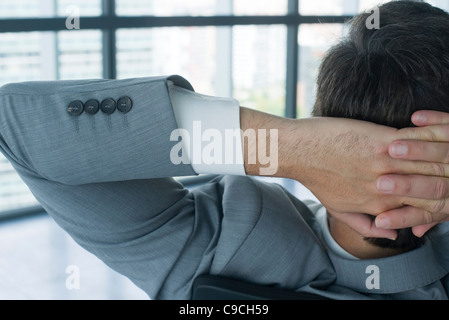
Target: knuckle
<point>407,187</point>
<point>423,133</point>
<point>410,133</point>
<point>428,217</point>
<point>445,131</point>
<point>432,136</point>
<point>446,156</point>
<point>439,169</point>
<point>437,207</point>
<point>441,188</point>
<point>381,207</point>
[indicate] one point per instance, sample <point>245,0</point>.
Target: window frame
<point>108,22</point>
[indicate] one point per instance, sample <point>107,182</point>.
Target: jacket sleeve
<point>37,130</point>
<point>106,179</point>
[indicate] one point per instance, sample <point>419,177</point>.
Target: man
<point>384,76</point>
<point>96,154</point>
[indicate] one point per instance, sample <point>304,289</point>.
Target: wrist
<point>270,144</point>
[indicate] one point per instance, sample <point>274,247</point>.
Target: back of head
<point>384,75</point>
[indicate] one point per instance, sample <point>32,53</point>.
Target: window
<point>314,40</point>
<point>264,53</point>
<point>259,67</point>
<point>79,55</point>
<point>191,52</point>
<point>166,8</point>
<point>48,8</point>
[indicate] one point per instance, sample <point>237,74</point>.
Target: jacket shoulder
<point>67,86</point>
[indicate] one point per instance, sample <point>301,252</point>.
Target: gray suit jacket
<point>107,180</point>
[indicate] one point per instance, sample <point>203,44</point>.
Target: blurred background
<point>264,53</point>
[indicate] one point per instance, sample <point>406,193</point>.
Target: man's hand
<point>347,165</point>
<point>427,202</point>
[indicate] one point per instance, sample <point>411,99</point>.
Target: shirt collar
<point>407,271</point>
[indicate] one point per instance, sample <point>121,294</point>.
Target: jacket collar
<point>408,271</point>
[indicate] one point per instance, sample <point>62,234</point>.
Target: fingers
<point>430,118</point>
<point>408,217</point>
<point>424,151</point>
<point>429,195</point>
<point>420,151</point>
<point>428,143</point>
<point>364,225</point>
<point>420,231</point>
<point>435,133</point>
<point>415,186</point>
<point>431,210</point>
<point>432,126</point>
<point>406,167</point>
<point>426,201</point>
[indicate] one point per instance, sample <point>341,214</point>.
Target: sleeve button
<point>124,104</point>
<point>75,108</point>
<point>92,107</point>
<point>108,106</point>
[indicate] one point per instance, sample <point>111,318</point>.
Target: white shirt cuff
<point>210,131</point>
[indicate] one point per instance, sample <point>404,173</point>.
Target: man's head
<point>384,75</point>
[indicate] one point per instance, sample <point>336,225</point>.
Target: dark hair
<point>384,75</point>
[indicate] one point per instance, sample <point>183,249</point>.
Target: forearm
<point>267,142</point>
<point>290,145</point>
